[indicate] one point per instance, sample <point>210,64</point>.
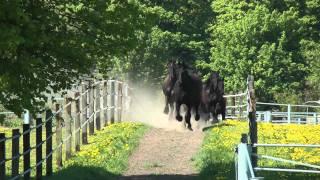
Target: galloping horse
<point>167,87</point>
<point>187,90</point>
<point>212,97</point>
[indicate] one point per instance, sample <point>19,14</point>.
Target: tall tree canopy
<point>180,32</point>
<point>267,39</point>
<point>47,45</point>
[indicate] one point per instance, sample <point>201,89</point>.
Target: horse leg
<point>197,116</point>
<point>223,114</point>
<point>178,115</point>
<point>171,110</point>
<point>214,114</point>
<point>188,117</point>
<point>206,112</point>
<point>166,108</point>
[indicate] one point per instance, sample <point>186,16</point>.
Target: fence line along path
<point>60,131</point>
<point>247,150</point>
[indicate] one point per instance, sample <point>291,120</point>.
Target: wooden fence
<point>247,150</point>
<point>236,106</point>
<point>60,131</point>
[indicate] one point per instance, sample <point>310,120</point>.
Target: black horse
<point>187,90</point>
<point>168,85</point>
<point>212,100</point>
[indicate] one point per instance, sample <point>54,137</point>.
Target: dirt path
<point>165,154</point>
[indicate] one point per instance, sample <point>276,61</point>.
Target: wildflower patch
<point>216,157</point>
<point>107,153</point>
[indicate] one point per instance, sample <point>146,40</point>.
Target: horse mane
<point>171,69</point>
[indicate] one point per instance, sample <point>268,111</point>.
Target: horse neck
<point>184,82</point>
<point>172,80</point>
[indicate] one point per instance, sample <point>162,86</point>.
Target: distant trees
<point>47,45</point>
<point>276,41</point>
<point>180,32</point>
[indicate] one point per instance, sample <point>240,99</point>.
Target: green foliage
<point>179,33</point>
<point>46,45</point>
<point>249,38</point>
<point>11,122</point>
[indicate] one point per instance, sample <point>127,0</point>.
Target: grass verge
<point>106,155</point>
<point>216,157</point>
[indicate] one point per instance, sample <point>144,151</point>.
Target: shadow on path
<point>160,177</point>
<point>217,125</point>
<point>95,173</point>
<point>83,173</point>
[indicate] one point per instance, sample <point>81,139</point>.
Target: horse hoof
<point>190,128</point>
<point>179,118</point>
<point>197,117</point>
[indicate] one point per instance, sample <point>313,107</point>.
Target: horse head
<point>172,70</point>
<point>214,79</point>
<point>183,74</point>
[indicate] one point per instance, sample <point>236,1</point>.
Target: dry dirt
<point>167,149</point>
<point>165,154</point>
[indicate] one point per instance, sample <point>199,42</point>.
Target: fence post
<point>26,150</point>
<point>289,113</point>
<point>68,122</point>
<point>233,104</point>
<point>59,122</point>
<point>125,101</point>
<point>39,146</point>
<point>112,103</point>
<point>240,107</point>
<point>77,121</point>
<point>119,103</point>
<point>97,109</point>
<point>105,102</point>
<point>253,130</point>
<point>15,152</point>
<point>268,116</point>
<point>2,155</point>
<point>84,111</point>
<point>49,142</point>
<point>315,118</point>
<point>116,97</point>
<point>244,168</point>
<point>91,107</point>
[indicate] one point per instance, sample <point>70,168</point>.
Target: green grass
<point>106,155</point>
<point>113,138</point>
<point>215,160</point>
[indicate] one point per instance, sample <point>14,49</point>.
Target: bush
<point>12,122</point>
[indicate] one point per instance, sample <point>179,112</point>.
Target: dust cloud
<point>147,106</point>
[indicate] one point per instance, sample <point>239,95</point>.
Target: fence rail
<point>288,117</point>
<point>66,127</point>
<point>247,153</point>
<point>236,106</point>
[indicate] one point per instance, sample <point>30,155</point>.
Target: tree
<point>252,38</point>
<point>47,45</point>
<point>179,33</point>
